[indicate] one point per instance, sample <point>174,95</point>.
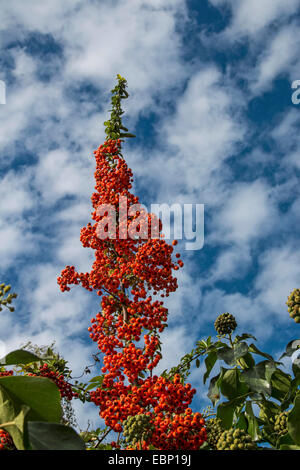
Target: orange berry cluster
<point>127,329</point>
<point>6,442</point>
<point>64,387</point>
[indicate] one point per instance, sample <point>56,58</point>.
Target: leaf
<point>254,349</point>
<point>281,384</point>
<point>40,394</point>
<point>230,384</point>
<point>247,361</point>
<point>210,361</point>
<point>19,357</point>
<point>126,134</point>
<point>294,421</point>
<point>245,336</point>
<point>98,379</point>
<point>242,422</point>
<point>53,436</point>
<point>284,440</point>
<point>12,419</point>
<point>226,411</point>
<point>214,390</point>
<point>287,447</point>
<point>231,355</point>
<point>253,427</point>
<point>256,379</point>
<point>291,347</point>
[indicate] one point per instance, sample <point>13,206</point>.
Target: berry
<point>214,431</point>
<point>235,439</point>
<point>281,423</point>
<point>6,442</point>
<point>293,304</point>
<point>225,324</point>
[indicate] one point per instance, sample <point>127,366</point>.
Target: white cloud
<point>250,17</point>
<point>248,213</point>
<point>279,57</point>
<point>279,274</point>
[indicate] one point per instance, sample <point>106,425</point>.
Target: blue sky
<point>210,103</point>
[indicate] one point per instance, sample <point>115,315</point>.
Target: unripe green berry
<point>225,324</point>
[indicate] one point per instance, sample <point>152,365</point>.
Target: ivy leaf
<point>210,361</point>
<point>281,384</point>
<point>230,384</point>
<point>226,411</point>
<point>231,355</point>
<point>214,389</point>
<point>294,421</point>
<point>291,347</point>
<point>253,427</point>
<point>254,349</point>
<point>256,379</point>
<point>245,336</point>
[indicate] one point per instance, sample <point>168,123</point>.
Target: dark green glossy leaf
<point>245,336</point>
<point>53,436</point>
<point>257,377</point>
<point>210,361</point>
<point>253,427</point>
<point>226,411</point>
<point>230,384</point>
<point>231,355</point>
<point>291,347</point>
<point>294,421</point>
<point>214,389</point>
<point>281,384</point>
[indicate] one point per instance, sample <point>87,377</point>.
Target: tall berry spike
<point>125,272</point>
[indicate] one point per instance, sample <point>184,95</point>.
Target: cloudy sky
<point>210,88</point>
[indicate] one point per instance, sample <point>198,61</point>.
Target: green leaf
<point>231,355</point>
<point>19,357</point>
<point>258,377</point>
<point>281,384</point>
<point>230,384</point>
<point>294,421</point>
<point>214,389</point>
<point>287,447</point>
<point>227,409</point>
<point>254,349</point>
<point>210,361</point>
<point>253,427</point>
<point>245,336</point>
<point>291,347</point>
<point>126,134</point>
<point>40,394</point>
<point>247,361</point>
<point>242,423</point>
<point>12,419</point>
<point>284,440</point>
<point>53,436</point>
